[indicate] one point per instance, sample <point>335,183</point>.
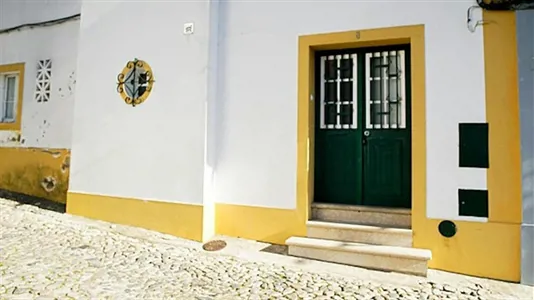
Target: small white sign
<point>189,28</point>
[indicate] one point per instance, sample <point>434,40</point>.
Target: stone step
<point>363,215</point>
<point>365,234</point>
<point>387,258</point>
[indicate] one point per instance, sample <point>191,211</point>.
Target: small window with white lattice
<point>338,109</point>
<point>44,75</point>
<point>8,97</point>
<point>385,90</point>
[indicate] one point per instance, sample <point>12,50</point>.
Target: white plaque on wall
<point>189,28</point>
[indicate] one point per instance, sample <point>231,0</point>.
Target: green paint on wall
<point>474,145</point>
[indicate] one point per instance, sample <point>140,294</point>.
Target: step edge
<point>359,227</point>
<point>420,254</point>
<point>407,271</point>
<point>398,241</point>
<point>384,210</point>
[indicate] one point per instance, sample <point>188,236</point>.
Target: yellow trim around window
<point>124,76</point>
<point>19,69</point>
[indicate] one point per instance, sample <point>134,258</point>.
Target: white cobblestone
<point>47,255</point>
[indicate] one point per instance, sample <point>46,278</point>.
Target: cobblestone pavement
<point>47,255</point>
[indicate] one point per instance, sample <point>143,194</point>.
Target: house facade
<point>305,123</point>
<point>38,47</point>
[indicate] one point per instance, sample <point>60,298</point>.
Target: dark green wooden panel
<point>386,169</point>
<point>337,167</point>
<point>473,203</point>
<point>474,146</point>
<point>337,177</point>
<point>351,168</point>
<point>387,152</point>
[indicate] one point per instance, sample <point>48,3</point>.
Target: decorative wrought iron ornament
<point>135,82</point>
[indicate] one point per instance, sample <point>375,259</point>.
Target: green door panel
<point>386,169</point>
<point>337,150</point>
<point>337,167</point>
<point>359,164</point>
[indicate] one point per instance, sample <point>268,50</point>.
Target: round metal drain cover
<point>447,228</point>
<point>214,245</point>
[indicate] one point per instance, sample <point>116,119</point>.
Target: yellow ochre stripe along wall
<point>483,249</point>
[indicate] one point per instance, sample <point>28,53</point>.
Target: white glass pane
<point>393,64</point>
<point>10,89</point>
<point>9,108</point>
<point>393,89</point>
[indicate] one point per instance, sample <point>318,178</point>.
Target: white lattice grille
<point>339,103</point>
<point>385,90</point>
<point>44,75</point>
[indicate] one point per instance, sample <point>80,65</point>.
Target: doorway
<point>363,127</point>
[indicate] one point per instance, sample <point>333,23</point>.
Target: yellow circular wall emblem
<point>135,82</point>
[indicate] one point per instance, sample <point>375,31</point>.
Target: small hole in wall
<point>48,183</point>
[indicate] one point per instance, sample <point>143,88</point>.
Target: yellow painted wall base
<point>258,223</point>
<point>42,173</point>
<point>482,249</point>
<point>183,220</point>
<point>502,115</point>
<point>490,250</point>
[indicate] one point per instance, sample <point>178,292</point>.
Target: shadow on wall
<point>37,173</point>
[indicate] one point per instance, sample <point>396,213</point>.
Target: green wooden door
<point>338,133</point>
<point>362,128</point>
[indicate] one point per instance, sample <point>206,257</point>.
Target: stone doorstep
<point>361,208</point>
<point>354,214</point>
<point>365,234</point>
<point>387,258</point>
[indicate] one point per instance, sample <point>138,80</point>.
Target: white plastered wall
<point>154,151</point>
<point>17,12</point>
<point>257,105</point>
<point>44,124</point>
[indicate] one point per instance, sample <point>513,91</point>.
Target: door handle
<point>367,133</point>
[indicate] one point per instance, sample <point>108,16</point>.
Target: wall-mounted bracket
<point>471,23</point>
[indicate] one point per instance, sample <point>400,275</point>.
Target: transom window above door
<point>385,90</point>
<point>369,84</point>
<point>338,88</point>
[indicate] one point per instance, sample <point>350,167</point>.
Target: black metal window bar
<point>385,89</point>
<point>337,93</point>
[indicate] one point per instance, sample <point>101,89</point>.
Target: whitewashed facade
<point>40,40</point>
<point>226,141</point>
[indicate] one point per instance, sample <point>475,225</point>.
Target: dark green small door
<point>362,128</point>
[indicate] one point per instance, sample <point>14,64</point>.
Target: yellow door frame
<point>489,249</point>
<point>308,44</point>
